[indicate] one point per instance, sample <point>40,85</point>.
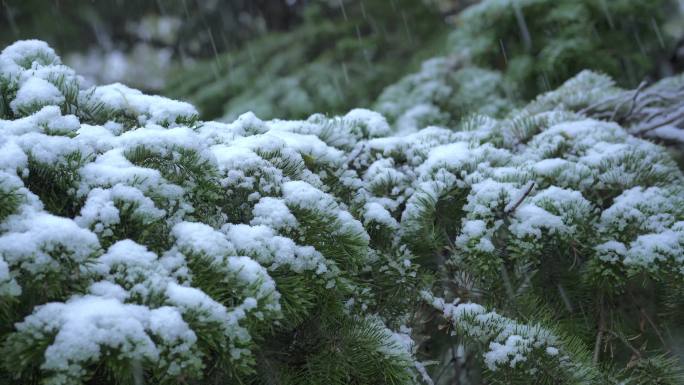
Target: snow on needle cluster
<point>138,242</point>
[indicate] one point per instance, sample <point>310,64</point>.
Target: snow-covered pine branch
<point>139,244</point>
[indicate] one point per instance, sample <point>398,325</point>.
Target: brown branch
<point>655,328</point>
<point>601,331</point>
<point>624,340</point>
<point>642,85</point>
<point>511,209</point>
<point>661,123</point>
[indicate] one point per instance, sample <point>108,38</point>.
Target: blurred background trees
<point>293,58</point>
<point>286,58</point>
<point>156,35</point>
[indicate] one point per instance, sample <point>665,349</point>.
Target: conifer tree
<point>502,53</point>
<point>139,244</point>
<point>340,56</point>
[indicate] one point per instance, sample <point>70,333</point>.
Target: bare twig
<point>511,208</point>
<point>457,367</point>
<point>655,328</point>
<point>642,85</point>
<point>626,342</point>
<point>676,118</point>
<point>600,332</point>
<point>444,369</point>
<point>588,110</point>
<point>355,156</point>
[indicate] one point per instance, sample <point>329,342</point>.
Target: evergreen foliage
<point>340,56</point>
<point>203,28</point>
<point>499,53</point>
<point>502,52</point>
<point>139,244</point>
